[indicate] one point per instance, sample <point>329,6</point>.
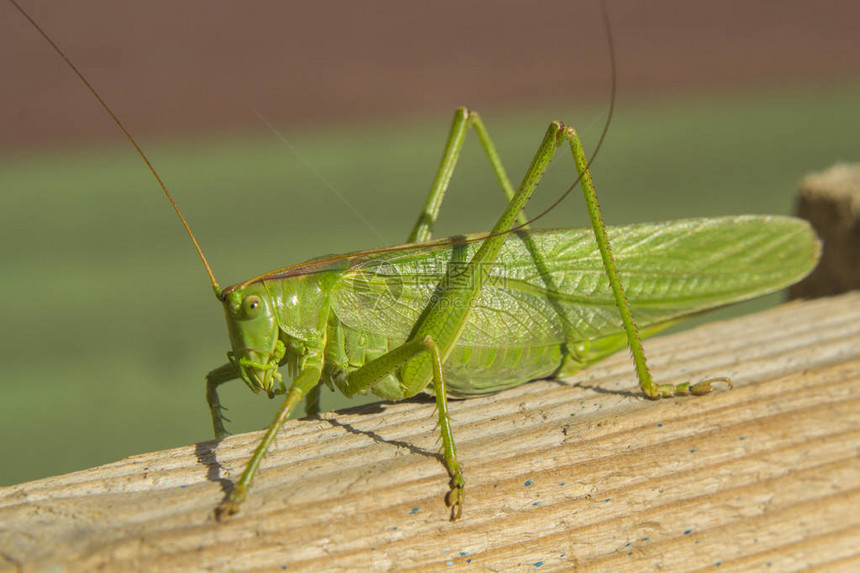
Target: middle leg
<point>365,377</point>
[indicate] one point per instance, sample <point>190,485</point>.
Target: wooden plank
<point>583,474</point>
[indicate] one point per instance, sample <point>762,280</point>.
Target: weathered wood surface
<point>582,474</point>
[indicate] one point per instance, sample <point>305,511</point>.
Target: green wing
<point>549,286</point>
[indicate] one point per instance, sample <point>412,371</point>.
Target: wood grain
<point>580,474</point>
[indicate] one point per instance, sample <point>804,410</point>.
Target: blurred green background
<point>108,322</point>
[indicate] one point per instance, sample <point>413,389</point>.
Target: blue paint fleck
<point>608,499</point>
<point>645,538</point>
<point>464,553</point>
<point>449,563</point>
<point>538,563</point>
<point>718,563</point>
<point>527,483</point>
<point>628,544</point>
<point>692,450</point>
<point>373,548</point>
<point>537,502</point>
<point>688,531</point>
<point>394,528</point>
<point>283,567</point>
<point>629,553</point>
<point>414,510</point>
<point>468,560</point>
<point>768,563</point>
<point>561,484</point>
<point>659,425</point>
<point>742,437</point>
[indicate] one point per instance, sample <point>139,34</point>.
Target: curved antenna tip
<point>125,132</point>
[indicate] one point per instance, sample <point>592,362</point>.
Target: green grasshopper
<point>476,314</point>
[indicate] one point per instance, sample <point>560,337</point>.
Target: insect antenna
<point>611,44</point>
<point>140,152</point>
<point>316,263</point>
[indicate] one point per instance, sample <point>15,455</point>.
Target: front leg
<point>307,379</point>
<point>214,379</point>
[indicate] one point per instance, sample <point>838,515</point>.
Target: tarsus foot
<point>456,496</point>
<point>685,389</point>
<point>230,506</point>
<point>705,386</point>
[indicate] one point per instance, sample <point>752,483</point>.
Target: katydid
<point>476,314</point>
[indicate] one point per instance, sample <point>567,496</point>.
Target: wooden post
<point>830,200</point>
<point>581,474</point>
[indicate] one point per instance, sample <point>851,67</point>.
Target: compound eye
<point>252,305</point>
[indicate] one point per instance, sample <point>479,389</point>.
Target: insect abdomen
<point>469,370</point>
<point>472,371</point>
